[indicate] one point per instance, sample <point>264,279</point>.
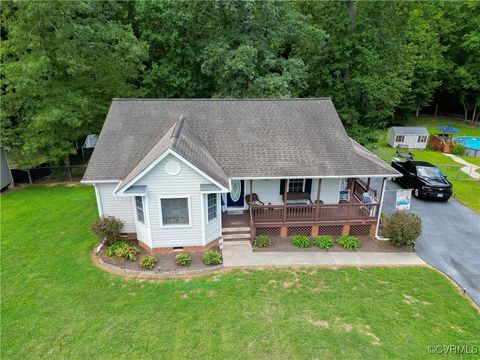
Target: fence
<point>458,172</point>
<point>56,173</point>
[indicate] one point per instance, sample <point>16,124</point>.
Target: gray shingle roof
<point>409,130</point>
<point>230,139</point>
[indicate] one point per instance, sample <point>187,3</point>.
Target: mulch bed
<point>368,245</point>
<point>165,262</point>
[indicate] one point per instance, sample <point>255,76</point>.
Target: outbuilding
<point>407,137</point>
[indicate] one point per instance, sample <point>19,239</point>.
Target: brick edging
<point>151,274</point>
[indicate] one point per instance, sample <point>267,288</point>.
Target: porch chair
<point>255,200</point>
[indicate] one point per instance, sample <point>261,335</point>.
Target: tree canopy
<point>380,62</point>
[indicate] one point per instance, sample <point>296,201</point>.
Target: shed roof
<point>410,130</point>
<point>246,138</point>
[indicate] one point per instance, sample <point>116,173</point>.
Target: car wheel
<point>417,193</point>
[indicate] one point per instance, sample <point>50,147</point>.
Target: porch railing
<point>342,213</point>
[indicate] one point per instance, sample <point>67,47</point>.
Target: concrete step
<point>236,236</point>
<point>239,240</point>
<point>235,229</point>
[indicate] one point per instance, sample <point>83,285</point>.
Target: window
<point>422,139</point>
<point>175,211</point>
<point>399,138</point>
<point>211,207</point>
<point>295,185</point>
<point>139,207</point>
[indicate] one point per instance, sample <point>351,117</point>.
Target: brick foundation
<point>166,250</point>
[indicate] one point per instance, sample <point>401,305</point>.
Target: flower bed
<point>367,245</point>
<point>166,263</point>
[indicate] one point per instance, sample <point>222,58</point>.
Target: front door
<point>236,197</point>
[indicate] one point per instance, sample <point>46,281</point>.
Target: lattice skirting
<point>270,231</point>
<point>299,230</point>
<point>332,230</point>
<point>360,230</point>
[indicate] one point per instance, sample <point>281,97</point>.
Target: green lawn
<point>56,304</point>
<point>465,190</point>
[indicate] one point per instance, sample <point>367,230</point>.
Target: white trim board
<point>121,191</point>
<point>189,202</point>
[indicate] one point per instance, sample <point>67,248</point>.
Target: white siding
<point>213,229</point>
<point>329,191</point>
<point>120,207</point>
<point>186,184</point>
<point>268,191</point>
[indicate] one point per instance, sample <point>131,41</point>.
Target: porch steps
<point>244,229</point>
<point>236,234</point>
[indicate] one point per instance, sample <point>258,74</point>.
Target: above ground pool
<point>471,143</point>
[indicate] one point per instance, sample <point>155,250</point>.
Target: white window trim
<point>303,184</point>
<point>175,197</point>
<point>216,208</point>
<point>144,222</point>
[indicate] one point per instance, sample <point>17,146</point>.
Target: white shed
<point>407,137</point>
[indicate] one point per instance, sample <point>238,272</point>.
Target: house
<point>5,173</point>
<point>181,173</point>
<point>407,137</point>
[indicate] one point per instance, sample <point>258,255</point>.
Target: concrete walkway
<point>468,168</point>
<point>240,254</point>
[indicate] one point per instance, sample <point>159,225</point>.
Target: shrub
<point>212,257</point>
<point>349,242</point>
<point>301,241</point>
<point>122,249</point>
<point>458,149</point>
<point>183,259</point>
<point>107,228</point>
<point>402,228</point>
<point>148,261</point>
<point>112,249</point>
<point>262,241</point>
<point>323,242</point>
<point>128,252</point>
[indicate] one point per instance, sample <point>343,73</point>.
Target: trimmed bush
<point>301,241</point>
<point>148,261</point>
<point>212,257</point>
<point>402,228</point>
<point>183,259</point>
<point>349,242</point>
<point>122,249</point>
<point>458,149</point>
<point>323,242</point>
<point>107,228</point>
<point>262,241</point>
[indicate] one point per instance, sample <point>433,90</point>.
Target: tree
<point>63,63</point>
<point>225,49</point>
<point>426,53</point>
<point>463,82</point>
<point>365,66</point>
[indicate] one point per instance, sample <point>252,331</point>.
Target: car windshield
<point>428,172</point>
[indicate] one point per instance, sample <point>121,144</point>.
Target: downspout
<point>379,215</point>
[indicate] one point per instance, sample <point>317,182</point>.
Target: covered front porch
<point>334,206</point>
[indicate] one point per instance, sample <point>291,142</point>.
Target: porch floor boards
<point>235,221</point>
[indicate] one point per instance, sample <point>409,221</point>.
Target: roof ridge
<point>176,131</point>
<point>221,99</point>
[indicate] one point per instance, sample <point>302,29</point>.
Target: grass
<point>465,190</point>
<point>57,305</point>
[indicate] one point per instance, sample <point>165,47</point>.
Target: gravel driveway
<point>450,240</point>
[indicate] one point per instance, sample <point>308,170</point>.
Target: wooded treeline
<point>63,61</point>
